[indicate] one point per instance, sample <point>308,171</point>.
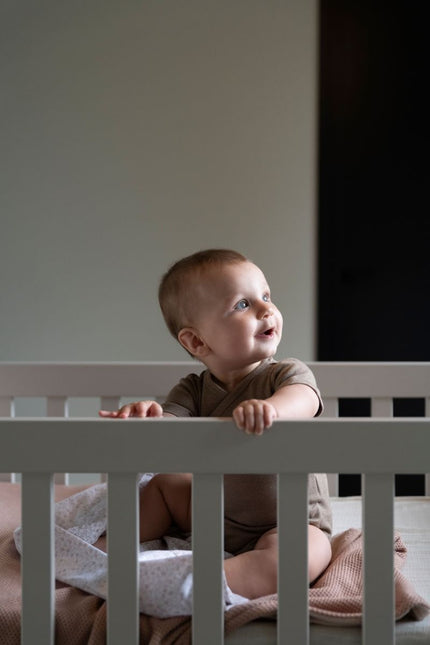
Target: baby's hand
<point>136,409</point>
<point>254,415</point>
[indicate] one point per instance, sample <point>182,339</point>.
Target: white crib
<point>377,447</point>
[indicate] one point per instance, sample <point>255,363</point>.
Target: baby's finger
<point>259,420</point>
<point>249,422</point>
<point>112,414</point>
<point>138,409</point>
<point>155,410</point>
<point>269,416</point>
<point>125,411</point>
<point>239,418</point>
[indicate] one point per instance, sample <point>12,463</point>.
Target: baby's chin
<point>270,353</point>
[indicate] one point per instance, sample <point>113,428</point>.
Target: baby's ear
<point>192,342</point>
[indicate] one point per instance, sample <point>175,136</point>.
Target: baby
<point>217,304</point>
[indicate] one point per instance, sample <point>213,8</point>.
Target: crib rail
<point>208,447</point>
<point>335,379</point>
<point>58,383</point>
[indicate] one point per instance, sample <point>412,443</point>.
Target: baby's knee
<point>155,484</point>
<point>168,481</point>
<point>171,484</point>
<point>266,550</point>
<point>319,552</point>
<point>269,540</point>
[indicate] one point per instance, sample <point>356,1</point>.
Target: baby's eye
<point>241,305</point>
<point>266,297</point>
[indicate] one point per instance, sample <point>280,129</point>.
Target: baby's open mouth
<point>268,332</point>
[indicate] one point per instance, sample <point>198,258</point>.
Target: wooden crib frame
<point>376,447</point>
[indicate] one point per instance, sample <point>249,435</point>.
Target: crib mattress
<point>412,520</point>
<point>85,615</point>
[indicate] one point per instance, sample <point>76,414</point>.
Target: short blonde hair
<point>178,282</point>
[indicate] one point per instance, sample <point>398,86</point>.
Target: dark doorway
<point>374,225</point>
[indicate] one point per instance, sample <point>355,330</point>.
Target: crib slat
<point>6,410</point>
<point>382,407</point>
<point>38,566</point>
<point>6,406</point>
<point>293,616</point>
<point>123,572</point>
<point>208,552</point>
<point>109,402</point>
<point>378,600</point>
<point>57,406</point>
<point>331,407</point>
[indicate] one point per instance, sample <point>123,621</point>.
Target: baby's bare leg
<point>164,501</point>
<point>255,573</point>
<point>319,552</point>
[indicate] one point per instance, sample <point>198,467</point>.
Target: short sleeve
<point>183,399</point>
<point>292,371</point>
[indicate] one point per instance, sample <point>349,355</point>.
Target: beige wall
<point>135,133</point>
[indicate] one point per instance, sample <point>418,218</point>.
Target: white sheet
<point>165,565</point>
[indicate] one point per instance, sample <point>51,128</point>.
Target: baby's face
<point>235,316</point>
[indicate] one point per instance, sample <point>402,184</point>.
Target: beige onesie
<point>250,500</point>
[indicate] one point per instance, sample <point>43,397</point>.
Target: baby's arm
<point>296,401</point>
<point>136,409</point>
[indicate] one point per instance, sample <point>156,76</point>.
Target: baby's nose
<point>267,310</point>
